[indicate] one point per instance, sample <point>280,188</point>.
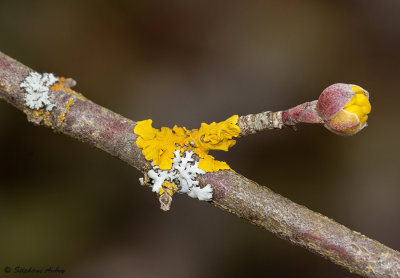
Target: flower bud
<point>344,108</point>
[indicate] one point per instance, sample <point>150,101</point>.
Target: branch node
<point>165,201</point>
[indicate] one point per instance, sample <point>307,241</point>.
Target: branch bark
<point>80,118</point>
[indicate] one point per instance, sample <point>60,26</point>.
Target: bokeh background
<point>184,62</point>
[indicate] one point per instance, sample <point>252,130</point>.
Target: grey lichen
<point>37,88</point>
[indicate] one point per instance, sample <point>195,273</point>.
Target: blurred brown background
<point>184,62</point>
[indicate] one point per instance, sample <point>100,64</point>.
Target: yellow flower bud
<point>359,104</point>
<point>353,116</point>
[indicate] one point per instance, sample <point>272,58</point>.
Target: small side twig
<point>303,113</point>
<point>254,123</point>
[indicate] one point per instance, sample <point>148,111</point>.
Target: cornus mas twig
<point>341,108</point>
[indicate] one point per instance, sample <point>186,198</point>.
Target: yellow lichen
<point>37,113</point>
<point>169,187</point>
<point>159,145</point>
<point>67,107</point>
<point>215,136</point>
<point>62,85</point>
<point>43,117</point>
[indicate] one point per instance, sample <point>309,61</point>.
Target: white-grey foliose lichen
<point>183,173</point>
<point>37,88</point>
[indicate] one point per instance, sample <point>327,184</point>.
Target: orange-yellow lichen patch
<point>68,105</point>
<point>37,113</point>
<point>58,87</point>
<point>61,85</point>
<point>43,117</point>
<point>64,84</point>
<point>169,187</point>
<point>159,145</point>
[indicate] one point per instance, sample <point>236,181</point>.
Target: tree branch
<point>88,122</point>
